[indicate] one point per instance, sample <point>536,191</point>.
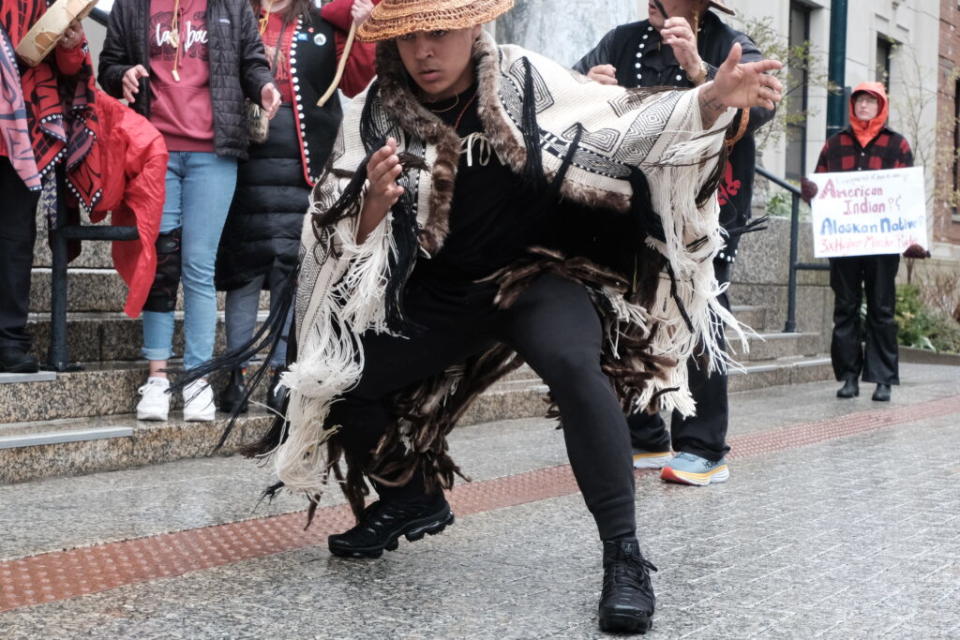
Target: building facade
<point>903,43</point>
<point>946,228</point>
<point>913,46</point>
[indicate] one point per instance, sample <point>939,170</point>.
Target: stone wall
<point>564,31</point>
<point>760,278</point>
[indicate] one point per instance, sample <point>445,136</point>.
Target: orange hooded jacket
<point>867,130</point>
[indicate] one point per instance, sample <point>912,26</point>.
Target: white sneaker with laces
<point>155,401</point>
<point>198,405</point>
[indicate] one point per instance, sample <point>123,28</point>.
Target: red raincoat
<point>133,160</point>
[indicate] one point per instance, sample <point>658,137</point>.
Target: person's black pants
<point>18,231</point>
<point>556,329</point>
<point>704,434</point>
<point>870,350</point>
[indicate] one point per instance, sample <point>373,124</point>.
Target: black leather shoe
<point>13,360</point>
<point>627,600</point>
<point>850,388</point>
<point>882,394</point>
<point>383,523</point>
<point>232,395</point>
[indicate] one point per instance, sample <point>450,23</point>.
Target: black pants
<point>704,434</point>
<point>877,361</point>
<point>555,328</point>
<point>18,231</point>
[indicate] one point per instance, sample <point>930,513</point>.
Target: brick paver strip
<point>62,575</point>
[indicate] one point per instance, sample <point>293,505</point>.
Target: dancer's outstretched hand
<point>743,86</point>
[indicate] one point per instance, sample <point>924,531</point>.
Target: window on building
<point>796,103</point>
<point>885,48</point>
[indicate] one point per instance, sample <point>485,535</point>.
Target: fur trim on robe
<point>343,287</point>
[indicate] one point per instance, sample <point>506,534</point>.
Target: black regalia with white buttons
<point>262,233</point>
<point>642,60</point>
<point>636,52</point>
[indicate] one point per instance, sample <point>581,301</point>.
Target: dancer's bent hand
<point>678,33</point>
<point>383,169</point>
<point>604,74</point>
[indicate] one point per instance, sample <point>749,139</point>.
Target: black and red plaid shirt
<point>842,152</point>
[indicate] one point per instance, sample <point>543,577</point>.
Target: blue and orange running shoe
<point>686,468</point>
<point>650,459</point>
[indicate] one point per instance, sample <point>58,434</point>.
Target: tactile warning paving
<point>68,574</point>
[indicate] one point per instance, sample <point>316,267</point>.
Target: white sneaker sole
<point>201,416</point>
<point>720,474</point>
<point>152,415</point>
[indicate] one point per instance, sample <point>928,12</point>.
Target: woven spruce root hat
<point>394,18</point>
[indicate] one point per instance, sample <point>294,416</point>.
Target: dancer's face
<point>440,62</point>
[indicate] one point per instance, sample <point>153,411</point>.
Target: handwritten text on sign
<point>860,213</point>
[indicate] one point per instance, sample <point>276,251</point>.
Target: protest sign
<point>858,213</point>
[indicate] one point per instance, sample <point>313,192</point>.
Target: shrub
<point>922,327</point>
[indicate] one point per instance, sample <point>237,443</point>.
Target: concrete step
<point>95,336</point>
<point>88,289</point>
<point>53,448</point>
<point>94,290</point>
<point>36,449</point>
<point>783,371</point>
<point>100,336</point>
<point>753,316</point>
<point>109,387</point>
<point>100,389</point>
<point>56,448</point>
<point>771,346</point>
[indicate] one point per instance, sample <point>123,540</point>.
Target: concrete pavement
<point>841,520</point>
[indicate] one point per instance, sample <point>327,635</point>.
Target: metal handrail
<point>794,265</point>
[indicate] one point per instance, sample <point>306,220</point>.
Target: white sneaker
<point>155,401</point>
<point>198,405</point>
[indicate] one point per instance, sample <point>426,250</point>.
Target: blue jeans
<point>199,190</point>
<point>241,310</point>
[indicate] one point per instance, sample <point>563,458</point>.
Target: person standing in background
<point>38,131</point>
<point>157,56</point>
<point>681,45</point>
<point>871,351</point>
<point>261,240</point>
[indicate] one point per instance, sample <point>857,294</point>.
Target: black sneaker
<point>230,399</point>
<point>383,523</point>
<point>627,600</point>
<point>13,360</point>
